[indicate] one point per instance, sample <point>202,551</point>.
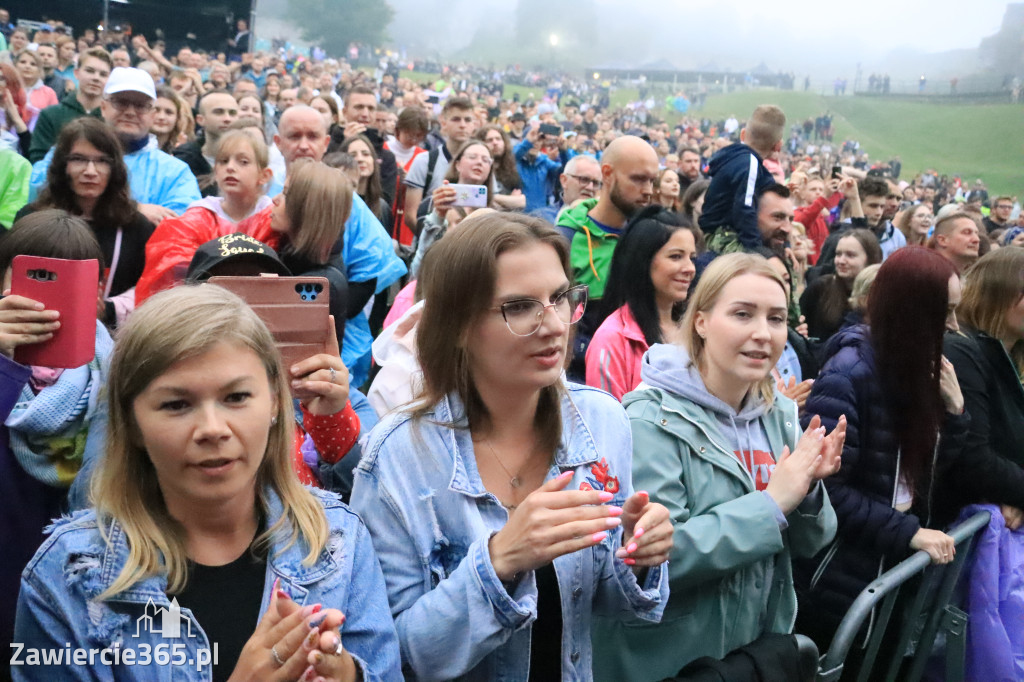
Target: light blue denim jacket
<point>74,565</point>
<point>421,496</point>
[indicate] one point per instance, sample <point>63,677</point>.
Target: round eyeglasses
<point>525,316</point>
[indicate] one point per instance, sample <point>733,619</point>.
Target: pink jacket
<point>614,354</point>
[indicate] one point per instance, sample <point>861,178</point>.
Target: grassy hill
<point>971,140</point>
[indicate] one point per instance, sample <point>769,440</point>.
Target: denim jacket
<point>420,493</point>
<point>56,611</point>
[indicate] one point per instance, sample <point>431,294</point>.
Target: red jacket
<point>175,240</point>
<point>811,217</point>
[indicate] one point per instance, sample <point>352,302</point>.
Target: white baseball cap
<point>128,79</point>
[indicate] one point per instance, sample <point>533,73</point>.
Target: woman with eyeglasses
<point>471,165</point>
<point>500,501</point>
<point>87,177</point>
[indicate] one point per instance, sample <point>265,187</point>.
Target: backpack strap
<point>431,162</point>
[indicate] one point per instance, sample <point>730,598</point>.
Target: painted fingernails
<point>629,562</point>
<point>631,548</point>
<point>318,658</point>
<point>307,676</point>
<point>614,511</point>
<point>612,522</point>
<point>310,609</point>
<point>564,475</point>
<point>598,537</point>
<point>316,622</point>
<point>310,642</point>
<point>605,497</point>
<point>638,532</point>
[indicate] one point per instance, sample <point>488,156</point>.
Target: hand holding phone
<point>323,378</point>
<point>24,321</point>
<point>67,287</point>
<point>550,129</point>
<point>474,196</point>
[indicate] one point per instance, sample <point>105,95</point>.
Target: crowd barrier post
<point>930,602</point>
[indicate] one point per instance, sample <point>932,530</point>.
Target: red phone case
<point>70,287</point>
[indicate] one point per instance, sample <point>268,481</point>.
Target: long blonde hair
<point>319,201</point>
<point>722,271</point>
<point>172,326</point>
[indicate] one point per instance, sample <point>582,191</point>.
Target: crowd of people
<point>603,396</point>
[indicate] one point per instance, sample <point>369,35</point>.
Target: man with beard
<point>689,168</point>
<point>775,223</point>
<point>629,167</point>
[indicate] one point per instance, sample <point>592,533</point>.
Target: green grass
<point>619,97</point>
<point>971,140</point>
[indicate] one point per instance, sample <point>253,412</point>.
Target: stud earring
<point>273,420</point>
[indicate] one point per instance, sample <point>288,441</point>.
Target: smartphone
<point>837,171</point>
<point>470,195</point>
<point>296,310</point>
<point>433,99</point>
<point>550,129</point>
<point>71,287</point>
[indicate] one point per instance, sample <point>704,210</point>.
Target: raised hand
<point>646,532</point>
<point>550,522</point>
<point>949,388</point>
<point>795,471</point>
<point>324,376</point>
<point>24,321</point>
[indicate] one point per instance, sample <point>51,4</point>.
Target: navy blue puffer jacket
<point>872,534</point>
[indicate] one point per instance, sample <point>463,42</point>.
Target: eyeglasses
<point>585,181</point>
<point>525,316</point>
<point>477,157</point>
<point>125,105</point>
<point>79,162</point>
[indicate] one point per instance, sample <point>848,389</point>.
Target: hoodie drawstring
<point>590,253</point>
<point>746,454</point>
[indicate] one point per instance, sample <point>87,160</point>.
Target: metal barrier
<point>934,594</point>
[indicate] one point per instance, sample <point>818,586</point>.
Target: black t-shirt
<point>546,634</point>
<point>225,600</point>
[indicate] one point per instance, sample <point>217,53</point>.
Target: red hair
<point>908,306</point>
<point>17,91</point>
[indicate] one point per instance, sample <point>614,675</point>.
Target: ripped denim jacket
<point>141,634</point>
<point>418,489</point>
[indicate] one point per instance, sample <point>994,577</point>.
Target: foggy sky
<point>824,38</point>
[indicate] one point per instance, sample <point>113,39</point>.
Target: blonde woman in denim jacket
<point>204,557</point>
<point>500,503</point>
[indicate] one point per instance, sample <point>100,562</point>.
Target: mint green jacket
<point>730,573</point>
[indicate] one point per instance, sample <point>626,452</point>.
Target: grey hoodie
<point>669,367</point>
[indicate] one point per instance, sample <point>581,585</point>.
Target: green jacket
<point>731,578</point>
<point>590,252</point>
<point>50,122</point>
<point>14,174</point>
